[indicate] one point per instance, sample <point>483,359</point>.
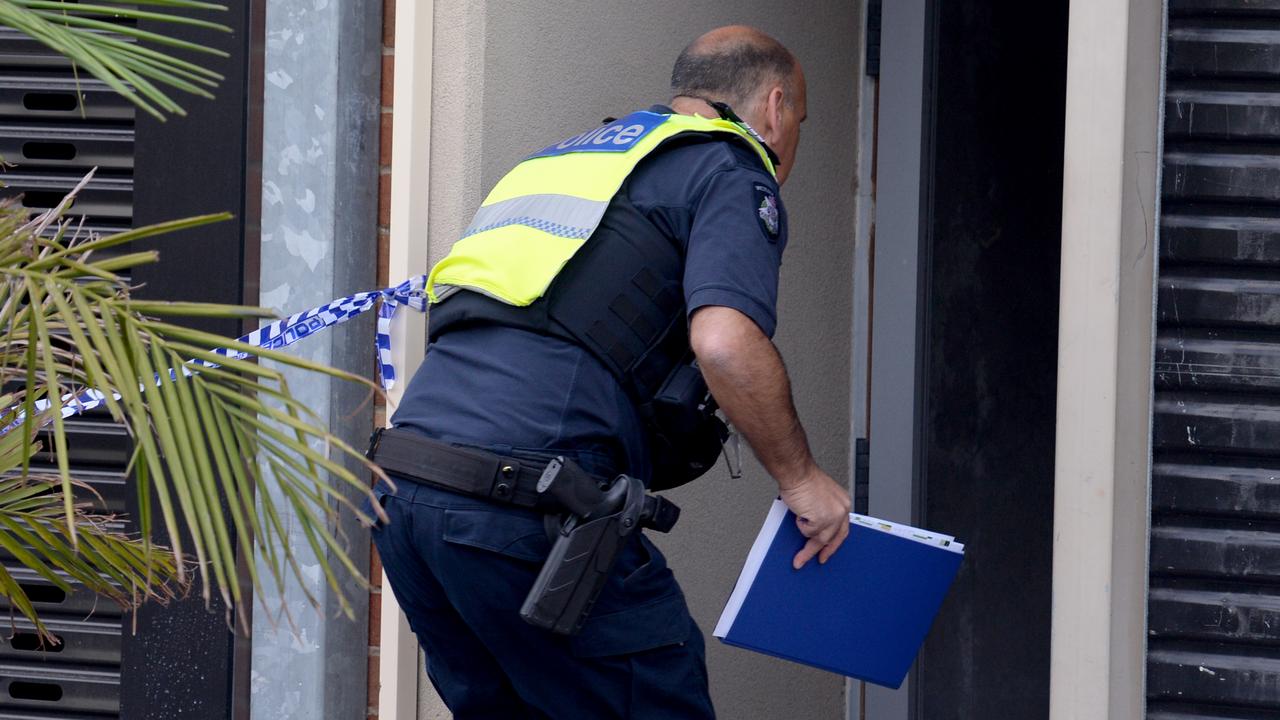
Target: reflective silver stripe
<point>563,215</point>
<point>444,291</point>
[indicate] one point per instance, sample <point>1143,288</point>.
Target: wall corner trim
<point>407,255</point>
<point>1101,503</point>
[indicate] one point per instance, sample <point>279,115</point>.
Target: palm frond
<point>34,530</point>
<point>218,452</point>
<point>102,38</point>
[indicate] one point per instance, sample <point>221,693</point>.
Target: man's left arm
<point>738,233</point>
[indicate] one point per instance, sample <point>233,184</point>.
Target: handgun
<point>596,521</point>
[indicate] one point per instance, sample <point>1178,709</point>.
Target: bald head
<point>734,64</point>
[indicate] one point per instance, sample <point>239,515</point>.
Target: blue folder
<point>864,613</point>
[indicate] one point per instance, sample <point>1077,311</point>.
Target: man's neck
<point>691,105</point>
<point>685,105</point>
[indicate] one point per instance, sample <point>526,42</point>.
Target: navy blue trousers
<point>461,567</point>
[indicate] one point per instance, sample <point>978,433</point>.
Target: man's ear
<point>773,114</point>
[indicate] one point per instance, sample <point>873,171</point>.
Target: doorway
<point>964,336</point>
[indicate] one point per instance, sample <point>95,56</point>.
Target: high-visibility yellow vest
<point>544,210</point>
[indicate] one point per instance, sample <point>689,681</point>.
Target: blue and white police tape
<point>283,333</point>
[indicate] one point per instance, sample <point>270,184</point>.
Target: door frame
<point>902,152</point>
<point>1110,206</point>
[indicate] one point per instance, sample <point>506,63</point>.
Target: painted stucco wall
<point>510,77</point>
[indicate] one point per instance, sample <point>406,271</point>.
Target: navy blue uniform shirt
<point>514,391</point>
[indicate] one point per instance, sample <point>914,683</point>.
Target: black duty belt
<point>463,470</point>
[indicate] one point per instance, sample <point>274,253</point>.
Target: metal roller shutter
<point>1214,602</point>
<point>54,128</point>
<point>180,660</point>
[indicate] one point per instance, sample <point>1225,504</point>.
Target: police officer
<point>557,316</point>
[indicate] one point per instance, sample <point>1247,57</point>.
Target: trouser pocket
<point>518,536</point>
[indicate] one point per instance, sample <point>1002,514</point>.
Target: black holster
<point>596,523</point>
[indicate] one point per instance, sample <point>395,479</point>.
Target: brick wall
<point>380,411</point>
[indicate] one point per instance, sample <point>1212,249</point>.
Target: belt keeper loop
<point>375,439</point>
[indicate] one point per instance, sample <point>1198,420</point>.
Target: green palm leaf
<point>34,530</point>
<point>68,323</point>
<point>102,38</point>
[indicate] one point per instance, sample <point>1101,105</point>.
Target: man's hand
<point>822,514</point>
<point>747,378</point>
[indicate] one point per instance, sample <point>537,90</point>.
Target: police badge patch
<point>767,211</point>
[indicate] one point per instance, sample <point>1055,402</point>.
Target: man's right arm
<point>745,374</point>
